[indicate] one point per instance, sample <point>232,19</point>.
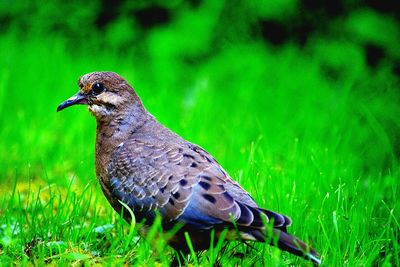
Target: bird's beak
<point>78,98</point>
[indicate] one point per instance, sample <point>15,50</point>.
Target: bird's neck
<point>115,130</point>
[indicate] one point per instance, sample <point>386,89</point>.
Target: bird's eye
<point>98,88</point>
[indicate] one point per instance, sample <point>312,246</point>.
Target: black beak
<point>78,98</point>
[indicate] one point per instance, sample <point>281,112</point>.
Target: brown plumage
<point>153,170</point>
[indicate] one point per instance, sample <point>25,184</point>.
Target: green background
<point>298,101</point>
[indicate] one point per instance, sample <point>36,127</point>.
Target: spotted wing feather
<point>184,183</point>
<point>150,177</point>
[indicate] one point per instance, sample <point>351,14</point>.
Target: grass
<point>311,136</point>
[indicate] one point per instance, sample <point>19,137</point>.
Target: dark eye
<point>98,88</point>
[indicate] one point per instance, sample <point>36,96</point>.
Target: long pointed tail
<point>297,247</point>
<point>253,228</point>
<point>285,242</point>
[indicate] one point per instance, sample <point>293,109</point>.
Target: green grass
<point>324,151</point>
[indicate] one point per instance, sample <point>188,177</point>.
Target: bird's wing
<point>183,183</point>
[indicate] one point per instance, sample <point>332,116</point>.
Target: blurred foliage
<point>196,28</point>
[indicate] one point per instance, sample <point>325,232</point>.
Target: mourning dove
<point>155,171</point>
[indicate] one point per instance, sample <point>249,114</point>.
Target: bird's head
<point>106,94</point>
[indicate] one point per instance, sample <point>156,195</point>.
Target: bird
<point>155,172</point>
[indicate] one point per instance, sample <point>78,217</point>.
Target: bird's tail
<point>270,227</point>
<point>288,243</point>
<point>297,247</point>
